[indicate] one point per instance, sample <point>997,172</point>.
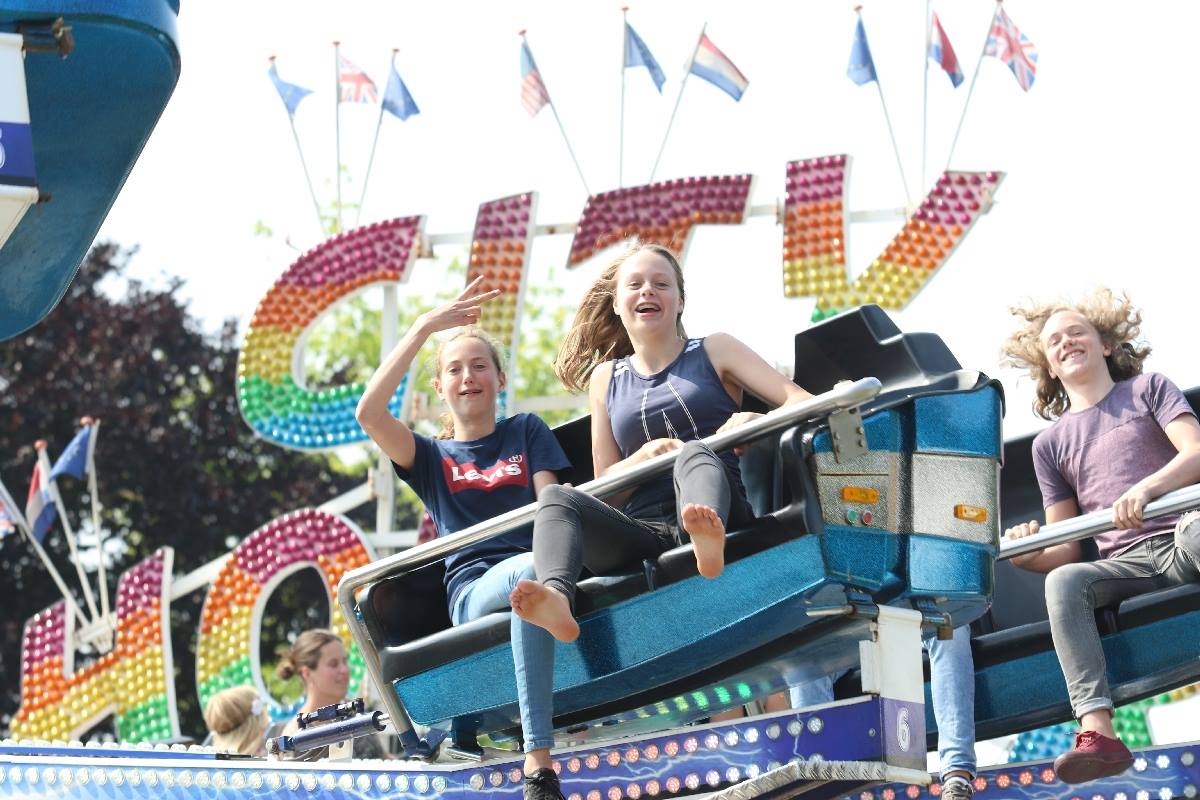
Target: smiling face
<point>329,680</point>
<point>468,378</point>
<point>1074,351</point>
<point>647,296</point>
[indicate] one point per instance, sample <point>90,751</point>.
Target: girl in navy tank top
<point>651,390</point>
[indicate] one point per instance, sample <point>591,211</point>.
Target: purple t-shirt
<point>1093,456</point>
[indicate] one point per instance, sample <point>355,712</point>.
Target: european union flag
<point>74,459</point>
<point>638,55</point>
<point>862,67</point>
<point>289,93</point>
<point>396,99</point>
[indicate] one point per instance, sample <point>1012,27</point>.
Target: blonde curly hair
<point>1113,316</point>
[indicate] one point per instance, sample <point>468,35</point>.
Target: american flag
<point>533,91</point>
<point>1008,44</point>
<point>353,84</point>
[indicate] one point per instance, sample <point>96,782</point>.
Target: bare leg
<point>1099,721</point>
<point>731,714</point>
<point>537,759</point>
<point>778,702</point>
<point>707,533</point>
<point>545,607</point>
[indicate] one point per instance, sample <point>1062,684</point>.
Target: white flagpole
<point>624,58</point>
<point>971,89</point>
<point>374,143</point>
<point>54,574</point>
<point>93,490</point>
<point>44,463</point>
<point>23,526</point>
<point>561,129</point>
<point>925,98</point>
<point>304,165</point>
<point>337,129</point>
<point>687,70</point>
<point>888,119</point>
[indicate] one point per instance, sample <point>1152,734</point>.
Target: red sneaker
<point>1094,756</point>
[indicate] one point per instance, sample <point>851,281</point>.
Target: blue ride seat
<point>661,646</point>
<point>1149,640</point>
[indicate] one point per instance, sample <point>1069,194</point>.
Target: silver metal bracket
<point>848,434</point>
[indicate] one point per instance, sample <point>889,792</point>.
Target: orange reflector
<point>970,513</point>
<point>860,494</point>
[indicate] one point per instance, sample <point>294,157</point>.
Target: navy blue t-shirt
<point>464,483</point>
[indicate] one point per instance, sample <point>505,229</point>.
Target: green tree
<point>346,347</point>
<point>176,464</point>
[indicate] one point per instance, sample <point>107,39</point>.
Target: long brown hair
<point>597,333</point>
<point>306,652</point>
<point>1114,317</point>
<point>447,419</point>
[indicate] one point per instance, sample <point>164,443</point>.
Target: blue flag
<point>396,99</point>
<point>862,67</point>
<point>638,55</point>
<point>289,93</point>
<point>74,459</point>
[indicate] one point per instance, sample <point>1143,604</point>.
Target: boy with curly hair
<point>1120,438</point>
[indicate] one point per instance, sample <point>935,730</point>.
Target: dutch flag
<point>39,508</point>
<point>715,67</point>
<point>941,52</point>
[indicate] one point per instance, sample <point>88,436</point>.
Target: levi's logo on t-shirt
<point>506,472</point>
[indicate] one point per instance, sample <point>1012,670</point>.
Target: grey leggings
<point>1074,591</point>
<point>573,530</point>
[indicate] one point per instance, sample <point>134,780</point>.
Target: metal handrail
<point>1086,525</point>
<point>841,397</point>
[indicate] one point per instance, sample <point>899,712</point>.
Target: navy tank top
<point>684,401</point>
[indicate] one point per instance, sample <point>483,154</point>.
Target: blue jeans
<point>952,684</point>
<point>532,647</point>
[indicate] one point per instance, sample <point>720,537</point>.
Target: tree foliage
<point>176,464</point>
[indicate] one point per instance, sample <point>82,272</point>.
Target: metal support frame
<point>1086,525</point>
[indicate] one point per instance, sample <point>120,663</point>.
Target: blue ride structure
<point>880,491</point>
<point>98,74</point>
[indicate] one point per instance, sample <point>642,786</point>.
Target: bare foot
<point>545,607</point>
<point>708,538</point>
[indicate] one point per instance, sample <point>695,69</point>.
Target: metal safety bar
<point>843,396</point>
<point>1086,525</point>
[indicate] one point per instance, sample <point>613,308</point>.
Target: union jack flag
<point>1011,46</point>
<point>353,84</point>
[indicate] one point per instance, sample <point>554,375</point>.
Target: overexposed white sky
<point>1100,155</point>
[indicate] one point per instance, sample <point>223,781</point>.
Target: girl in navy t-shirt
<point>479,468</point>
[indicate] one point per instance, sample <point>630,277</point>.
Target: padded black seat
<point>866,343</point>
<point>1157,606</point>
<point>406,656</point>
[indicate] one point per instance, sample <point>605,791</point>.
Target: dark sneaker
<point>957,788</point>
<point>1094,756</point>
<point>543,785</point>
